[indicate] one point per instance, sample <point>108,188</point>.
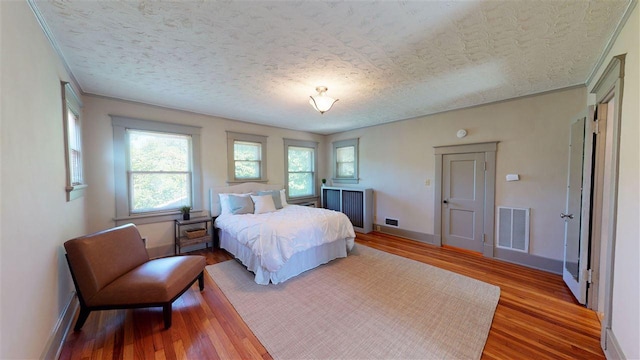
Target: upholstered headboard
<point>248,187</point>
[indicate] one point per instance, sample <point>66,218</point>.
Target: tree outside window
<point>301,171</point>
<point>345,162</point>
<point>247,158</point>
<point>159,171</point>
<point>301,162</point>
<point>345,155</point>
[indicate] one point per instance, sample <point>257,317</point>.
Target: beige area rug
<point>370,305</point>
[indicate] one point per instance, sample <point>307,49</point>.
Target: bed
<point>278,245</point>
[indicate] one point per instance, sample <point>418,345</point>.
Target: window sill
<point>301,199</point>
<point>345,180</point>
<point>142,219</point>
<point>75,191</point>
<point>234,182</point>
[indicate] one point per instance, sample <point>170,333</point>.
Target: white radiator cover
<point>513,228</point>
<point>356,203</point>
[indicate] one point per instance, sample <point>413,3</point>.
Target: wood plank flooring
<point>536,317</point>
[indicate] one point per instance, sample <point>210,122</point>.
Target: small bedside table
<point>181,238</point>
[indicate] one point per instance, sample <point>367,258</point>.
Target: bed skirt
<point>297,264</point>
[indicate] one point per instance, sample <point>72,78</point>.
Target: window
<point>73,142</point>
<point>157,170</point>
<point>301,162</point>
<point>247,157</point>
<point>345,155</point>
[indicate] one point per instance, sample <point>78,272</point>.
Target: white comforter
<point>274,237</point>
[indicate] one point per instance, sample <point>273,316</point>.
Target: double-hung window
<point>247,159</point>
<point>157,169</point>
<point>301,161</point>
<point>73,142</point>
<point>345,154</point>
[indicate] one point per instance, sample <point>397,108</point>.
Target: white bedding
<point>276,236</point>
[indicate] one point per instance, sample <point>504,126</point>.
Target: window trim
<point>340,144</point>
<point>232,137</point>
<point>71,101</point>
<point>120,125</point>
<point>305,144</point>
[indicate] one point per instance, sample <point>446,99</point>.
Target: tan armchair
<point>112,270</point>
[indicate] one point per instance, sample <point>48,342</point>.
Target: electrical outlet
<point>377,227</point>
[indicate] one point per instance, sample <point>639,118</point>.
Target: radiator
<point>357,204</point>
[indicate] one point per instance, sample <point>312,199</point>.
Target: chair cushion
<point>155,281</point>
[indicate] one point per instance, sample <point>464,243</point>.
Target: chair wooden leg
<point>201,281</point>
<point>82,317</point>
<point>166,313</point>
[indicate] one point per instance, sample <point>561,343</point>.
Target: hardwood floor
<point>536,317</point>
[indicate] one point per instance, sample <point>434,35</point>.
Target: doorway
<point>465,196</point>
<point>608,91</point>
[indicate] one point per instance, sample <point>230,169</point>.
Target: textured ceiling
<point>258,61</point>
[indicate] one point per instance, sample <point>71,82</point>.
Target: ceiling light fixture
<point>321,102</point>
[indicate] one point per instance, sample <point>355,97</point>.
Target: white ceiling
<point>258,61</point>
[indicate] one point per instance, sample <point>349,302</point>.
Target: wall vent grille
<point>513,228</point>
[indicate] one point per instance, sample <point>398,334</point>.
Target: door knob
<point>563,216</point>
<point>445,201</point>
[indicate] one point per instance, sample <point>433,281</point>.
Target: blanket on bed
<point>274,237</point>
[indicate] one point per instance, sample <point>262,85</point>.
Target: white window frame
<point>71,102</point>
<point>232,137</point>
<point>120,152</point>
<point>303,144</point>
<point>340,144</point>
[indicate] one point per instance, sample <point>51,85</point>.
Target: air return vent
<point>513,228</point>
<point>392,222</point>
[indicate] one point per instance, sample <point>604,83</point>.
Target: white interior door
<point>463,180</point>
<point>576,247</point>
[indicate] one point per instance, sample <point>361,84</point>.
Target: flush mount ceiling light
<point>321,101</point>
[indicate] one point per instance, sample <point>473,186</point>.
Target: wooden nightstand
<point>182,226</point>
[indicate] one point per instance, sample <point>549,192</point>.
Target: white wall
<point>36,218</point>
<point>98,136</point>
<point>626,283</point>
<point>533,132</point>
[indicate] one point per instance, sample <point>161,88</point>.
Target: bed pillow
<point>240,204</point>
<point>224,202</point>
<point>277,201</point>
<point>263,204</point>
<point>283,198</point>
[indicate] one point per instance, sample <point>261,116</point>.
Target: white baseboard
<point>613,349</point>
<point>515,257</point>
<point>61,329</point>
<point>408,234</point>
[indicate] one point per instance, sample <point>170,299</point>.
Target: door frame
<point>489,149</point>
<point>610,85</point>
